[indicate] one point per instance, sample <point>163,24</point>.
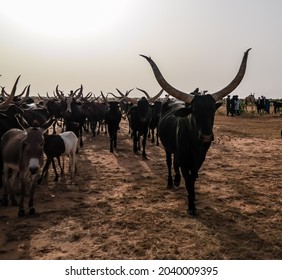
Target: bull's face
<point>203,109</point>
<point>144,109</point>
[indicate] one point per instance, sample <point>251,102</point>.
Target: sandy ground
<point>118,206</point>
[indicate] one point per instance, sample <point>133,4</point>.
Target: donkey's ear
<point>22,122</point>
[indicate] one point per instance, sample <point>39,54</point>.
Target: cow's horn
<point>236,81</point>
<point>186,97</point>
<point>11,96</point>
<point>153,99</point>
<point>105,99</point>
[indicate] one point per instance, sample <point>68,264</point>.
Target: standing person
<point>228,106</point>
<point>237,105</point>
<point>232,106</point>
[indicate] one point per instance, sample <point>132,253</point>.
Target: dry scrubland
<point>119,207</point>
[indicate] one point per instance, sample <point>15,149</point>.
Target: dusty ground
<point>119,207</point>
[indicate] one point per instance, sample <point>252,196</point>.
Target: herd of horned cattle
<point>184,125</point>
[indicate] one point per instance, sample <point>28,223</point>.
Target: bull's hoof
<point>144,156</point>
<point>21,213</point>
<point>192,212</point>
<point>177,179</point>
<point>32,211</point>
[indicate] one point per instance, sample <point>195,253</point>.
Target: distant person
<point>237,105</point>
<point>232,106</point>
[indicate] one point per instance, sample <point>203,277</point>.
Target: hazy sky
<point>195,43</point>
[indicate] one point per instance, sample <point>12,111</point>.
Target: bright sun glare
<point>64,18</point>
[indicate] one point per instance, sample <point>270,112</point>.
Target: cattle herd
<point>183,122</point>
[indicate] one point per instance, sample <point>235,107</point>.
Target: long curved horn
<point>153,99</point>
<point>128,99</point>
<point>88,96</point>
<point>11,96</point>
<point>236,81</point>
<point>145,92</point>
<point>186,97</point>
<point>128,91</point>
<point>27,88</point>
<point>105,99</point>
<point>60,95</point>
<point>79,94</point>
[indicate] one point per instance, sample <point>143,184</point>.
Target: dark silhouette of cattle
<point>139,117</point>
<point>186,129</point>
<point>112,120</point>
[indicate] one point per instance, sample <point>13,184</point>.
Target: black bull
<point>186,130</point>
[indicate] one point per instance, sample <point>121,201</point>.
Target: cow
<point>277,105</point>
<point>73,112</point>
<point>139,116</point>
<point>57,145</point>
<point>186,129</point>
<point>153,125</point>
<point>112,120</point>
<point>22,153</point>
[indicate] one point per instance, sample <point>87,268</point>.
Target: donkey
<point>22,153</point>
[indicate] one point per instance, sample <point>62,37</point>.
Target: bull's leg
<point>111,142</point>
<point>115,140</point>
<point>169,163</point>
<point>93,128</point>
<point>157,136</point>
<point>138,141</point>
<point>144,145</point>
<point>177,176</point>
<point>190,186</point>
<point>153,136</point>
<point>135,141</point>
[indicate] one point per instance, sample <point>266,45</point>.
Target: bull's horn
<point>105,99</point>
<point>153,99</point>
<point>145,92</point>
<point>79,94</point>
<point>11,96</point>
<point>236,81</point>
<point>27,88</point>
<point>58,92</point>
<point>186,97</point>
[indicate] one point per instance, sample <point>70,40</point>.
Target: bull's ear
<point>183,112</point>
<point>218,104</point>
